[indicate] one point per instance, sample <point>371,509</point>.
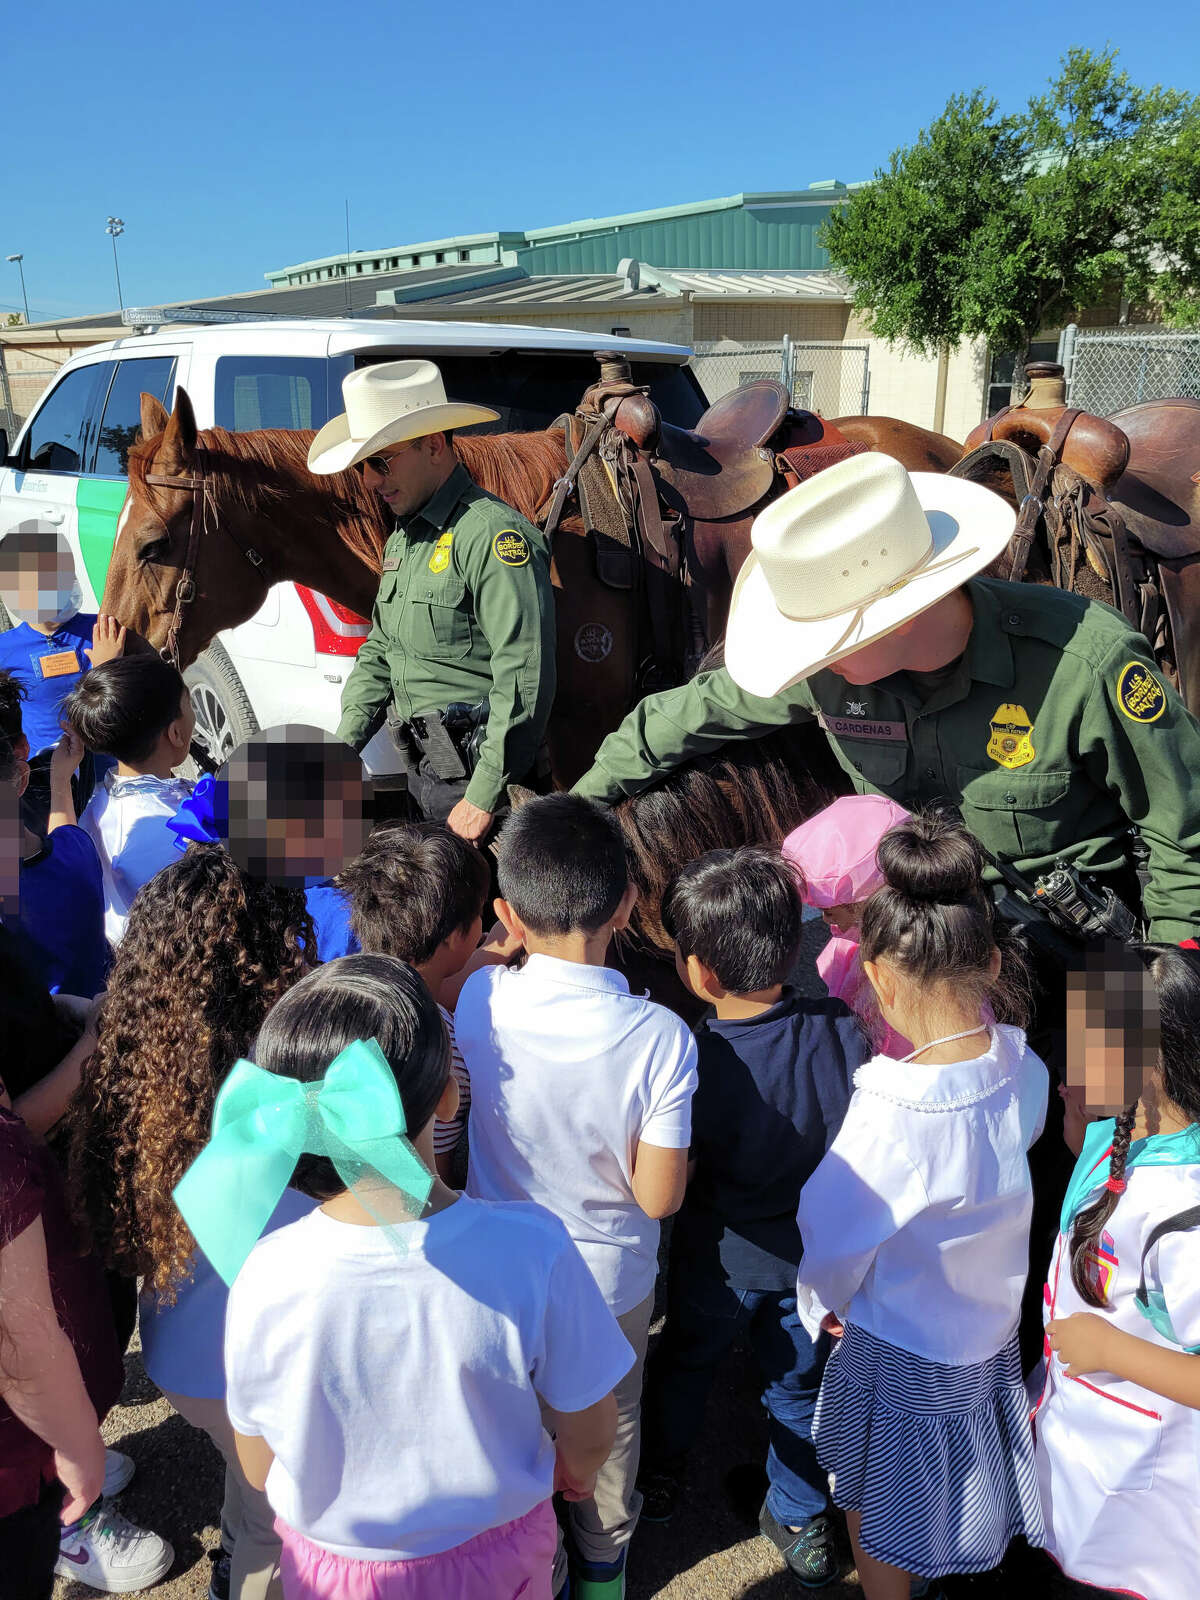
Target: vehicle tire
<point>224,716</point>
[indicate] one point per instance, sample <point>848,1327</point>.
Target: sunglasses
<point>382,465</point>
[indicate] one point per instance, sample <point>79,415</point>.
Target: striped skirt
<point>938,1459</point>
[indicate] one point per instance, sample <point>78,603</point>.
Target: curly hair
<point>207,952</point>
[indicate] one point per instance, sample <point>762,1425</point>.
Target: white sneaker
<point>108,1552</point>
<point>118,1473</point>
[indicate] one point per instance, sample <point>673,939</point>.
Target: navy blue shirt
<point>62,914</point>
<point>47,672</point>
<point>772,1094</point>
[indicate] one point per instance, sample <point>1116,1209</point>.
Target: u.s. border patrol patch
<point>1011,743</point>
<point>511,547</point>
<point>1139,694</point>
<point>440,559</point>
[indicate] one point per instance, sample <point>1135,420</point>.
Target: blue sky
<point>229,135</point>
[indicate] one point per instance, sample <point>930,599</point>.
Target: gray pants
<point>247,1521</point>
<point>602,1527</point>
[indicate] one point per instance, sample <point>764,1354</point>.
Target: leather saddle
<point>1091,446</point>
<point>1159,491</point>
<point>1127,488</point>
<point>723,464</point>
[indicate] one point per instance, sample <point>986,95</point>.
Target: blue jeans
<point>705,1314</point>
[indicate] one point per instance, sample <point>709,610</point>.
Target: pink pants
<point>512,1562</point>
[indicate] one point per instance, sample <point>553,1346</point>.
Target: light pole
<point>18,259</point>
<point>114,227</point>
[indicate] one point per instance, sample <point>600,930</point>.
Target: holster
<point>448,740</point>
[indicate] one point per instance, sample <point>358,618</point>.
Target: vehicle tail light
<point>337,631</point>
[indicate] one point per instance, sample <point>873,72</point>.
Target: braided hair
<point>1093,1219</point>
<point>1175,977</point>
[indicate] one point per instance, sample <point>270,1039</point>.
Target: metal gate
<point>820,375</point>
<point>1107,369</point>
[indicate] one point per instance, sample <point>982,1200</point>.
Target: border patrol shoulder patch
<point>510,548</point>
<point>1140,695</point>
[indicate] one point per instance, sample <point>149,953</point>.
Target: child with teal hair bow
<point>388,1357</point>
<point>1116,1424</point>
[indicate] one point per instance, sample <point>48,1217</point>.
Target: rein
<point>204,516</point>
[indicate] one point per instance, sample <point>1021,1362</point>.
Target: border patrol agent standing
<point>1041,715</point>
<point>460,656</point>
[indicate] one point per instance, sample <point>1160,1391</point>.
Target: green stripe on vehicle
<point>98,502</point>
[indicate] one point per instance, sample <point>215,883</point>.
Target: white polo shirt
<point>916,1222</point>
<point>569,1073</point>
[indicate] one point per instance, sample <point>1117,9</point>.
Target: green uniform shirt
<point>465,613</point>
<point>1053,732</point>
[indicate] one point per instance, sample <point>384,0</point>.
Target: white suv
<point>290,661</point>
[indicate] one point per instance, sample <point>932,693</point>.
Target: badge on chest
<point>1011,743</point>
<point>59,665</point>
<point>440,559</point>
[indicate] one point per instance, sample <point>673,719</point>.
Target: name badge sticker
<point>59,665</point>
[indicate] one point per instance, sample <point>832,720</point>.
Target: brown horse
<point>233,513</point>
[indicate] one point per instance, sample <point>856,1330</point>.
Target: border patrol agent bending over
<point>1040,714</point>
<point>461,646</point>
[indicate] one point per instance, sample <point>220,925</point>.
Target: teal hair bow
<point>263,1122</point>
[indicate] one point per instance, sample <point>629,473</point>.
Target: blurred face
<point>38,586</point>
<point>320,843</point>
<point>1112,1038</point>
<point>415,472</point>
<point>297,833</point>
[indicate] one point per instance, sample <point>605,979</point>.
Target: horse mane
<point>752,793</point>
<point>258,472</point>
<point>519,468</point>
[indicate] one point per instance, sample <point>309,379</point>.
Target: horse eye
<point>154,551</point>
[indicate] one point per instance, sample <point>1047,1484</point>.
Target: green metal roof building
<point>767,231</point>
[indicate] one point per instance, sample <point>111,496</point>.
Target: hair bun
<point>933,860</point>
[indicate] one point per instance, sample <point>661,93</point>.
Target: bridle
<point>204,517</point>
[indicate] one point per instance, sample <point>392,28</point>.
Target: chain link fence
<point>820,375</point>
<point>1108,369</point>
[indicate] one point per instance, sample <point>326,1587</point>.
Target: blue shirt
<point>330,911</point>
<point>28,654</point>
<point>773,1092</point>
<point>62,914</point>
<point>183,1345</point>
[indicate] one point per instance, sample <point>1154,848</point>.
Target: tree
<point>996,226</point>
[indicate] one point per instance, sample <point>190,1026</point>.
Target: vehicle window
<point>122,419</point>
<point>57,440</point>
<point>271,392</point>
<point>529,388</point>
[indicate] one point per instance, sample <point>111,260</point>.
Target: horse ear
<point>177,448</point>
<point>154,417</point>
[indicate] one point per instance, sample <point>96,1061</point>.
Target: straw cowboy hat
<point>848,556</point>
<point>386,405</point>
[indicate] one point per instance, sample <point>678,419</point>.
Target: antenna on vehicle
<point>347,252</point>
